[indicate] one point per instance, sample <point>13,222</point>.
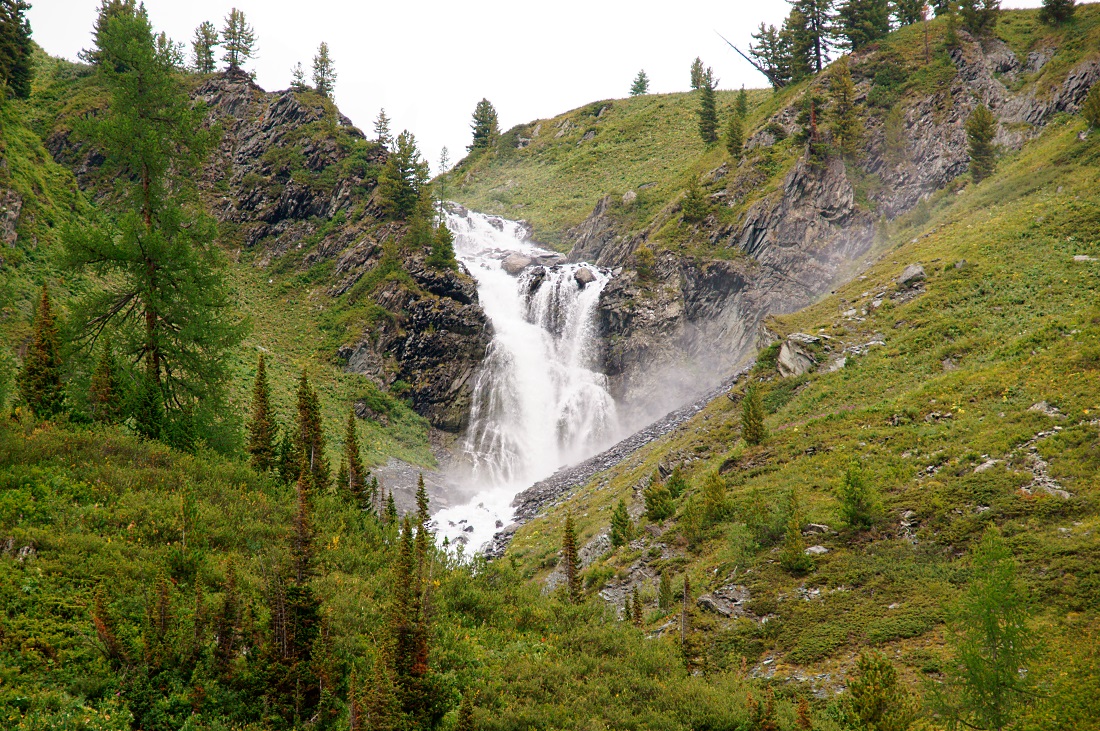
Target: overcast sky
<point>428,63</point>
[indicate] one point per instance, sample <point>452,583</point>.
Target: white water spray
<point>539,400</point>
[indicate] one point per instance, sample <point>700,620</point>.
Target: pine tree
<point>876,699</point>
<point>981,128</point>
<point>636,609</point>
<point>622,527</point>
<point>570,562</point>
<point>262,428</point>
<point>753,430</point>
<point>301,546</point>
<point>202,47</point>
<point>104,391</point>
<point>845,121</point>
<point>979,16</point>
<point>422,514</point>
<point>166,294</point>
<point>735,135</point>
<point>170,52</point>
<point>16,49</point>
<point>40,379</point>
<point>404,178</point>
<point>860,22</point>
<point>658,501</point>
<point>485,126</point>
<point>694,206</point>
<point>356,479</point>
<point>809,28</point>
<point>665,596</point>
<point>382,130</point>
<point>298,78</point>
<point>908,12</point>
<point>771,50</point>
<point>708,109</point>
<point>1055,12</point>
<point>238,39</point>
<point>640,85</point>
<point>697,73</point>
<point>311,436</point>
<point>1090,108</point>
<point>324,71</point>
<point>742,107</point>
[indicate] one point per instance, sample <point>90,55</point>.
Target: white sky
<point>429,62</point>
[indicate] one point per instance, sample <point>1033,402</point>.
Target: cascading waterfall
<point>539,400</point>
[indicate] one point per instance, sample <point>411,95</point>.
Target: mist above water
<point>540,401</point>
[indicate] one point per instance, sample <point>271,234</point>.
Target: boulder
<point>728,601</point>
<point>515,263</point>
<point>794,359</point>
<point>816,550</point>
<point>629,197</point>
<point>584,276</point>
<point>913,273</point>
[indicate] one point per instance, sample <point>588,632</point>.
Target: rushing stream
<point>539,401</point>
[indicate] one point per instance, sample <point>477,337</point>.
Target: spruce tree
<point>382,133</point>
<point>311,436</point>
<point>404,178</point>
<point>753,430</point>
<point>735,136</point>
<point>202,47</point>
<point>908,12</point>
<point>356,478</point>
<point>40,378</point>
<point>104,391</point>
<point>636,608</point>
<point>422,514</point>
<point>640,85</point>
<point>570,562</point>
<point>979,16</point>
<point>16,49</point>
<point>391,509</point>
<point>1090,108</point>
<point>665,597</point>
<point>261,427</point>
<point>324,71</point>
<point>238,39</point>
<point>697,73</point>
<point>1055,12</point>
<point>809,29</point>
<point>694,206</point>
<point>289,460</point>
<point>742,107</point>
<point>622,527</point>
<point>298,78</point>
<point>485,126</point>
<point>845,121</point>
<point>981,128</point>
<point>165,292</point>
<point>860,22</point>
<point>708,109</point>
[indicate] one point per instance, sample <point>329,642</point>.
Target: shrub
<point>858,500</point>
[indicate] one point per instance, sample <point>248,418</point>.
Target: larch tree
<point>238,40</point>
<point>735,135</point>
<point>173,53</point>
<point>485,126</point>
<point>1055,12</point>
<point>105,389</point>
<point>202,47</point>
<point>810,29</point>
<point>708,108</point>
<point>636,608</point>
<point>162,288</point>
<point>404,178</point>
<point>981,128</point>
<point>40,382</point>
<point>861,22</point>
<point>570,561</point>
<point>697,73</point>
<point>640,85</point>
<point>108,9</point>
<point>753,430</point>
<point>324,71</point>
<point>382,134</point>
<point>261,427</point>
<point>298,77</point>
<point>845,121</point>
<point>310,435</point>
<point>16,49</point>
<point>658,501</point>
<point>771,51</point>
<point>876,697</point>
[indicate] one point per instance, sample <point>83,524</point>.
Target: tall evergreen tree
<point>382,133</point>
<point>108,9</point>
<point>202,47</point>
<point>695,206</point>
<point>40,378</point>
<point>981,128</point>
<point>16,49</point>
<point>742,107</point>
<point>164,291</point>
<point>636,608</point>
<point>298,78</point>
<point>262,428</point>
<point>979,16</point>
<point>658,501</point>
<point>697,73</point>
<point>485,126</point>
<point>324,71</point>
<point>858,501</point>
<point>404,178</point>
<point>771,50</point>
<point>845,120</point>
<point>622,527</point>
<point>860,22</point>
<point>391,509</point>
<point>640,85</point>
<point>1055,12</point>
<point>238,39</point>
<point>735,135</point>
<point>810,29</point>
<point>301,546</point>
<point>311,435</point>
<point>708,109</point>
<point>665,597</point>
<point>172,53</point>
<point>570,562</point>
<point>877,699</point>
<point>908,12</point>
<point>289,461</point>
<point>105,390</point>
<point>753,430</point>
<point>356,483</point>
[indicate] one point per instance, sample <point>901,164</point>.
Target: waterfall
<point>539,399</point>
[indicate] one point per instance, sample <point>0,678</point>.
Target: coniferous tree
<point>1054,12</point>
<point>845,121</point>
<point>108,10</point>
<point>677,485</point>
<point>485,126</point>
<point>40,378</point>
<point>715,504</point>
<point>1090,108</point>
<point>622,527</point>
<point>809,28</point>
<point>289,460</point>
<point>695,206</point>
<point>238,39</point>
<point>262,428</point>
<point>742,106</point>
<point>771,50</point>
<point>570,562</point>
<point>298,78</point>
<point>708,109</point>
<point>422,514</point>
<point>166,295</point>
<point>324,71</point>
<point>981,128</point>
<point>442,254</point>
<point>735,135</point>
<point>169,51</point>
<point>311,436</point>
<point>792,554</point>
<point>697,73</point>
<point>636,608</point>
<point>860,22</point>
<point>753,430</point>
<point>404,178</point>
<point>628,607</point>
<point>104,391</point>
<point>355,480</point>
<point>301,547</point>
<point>858,502</point>
<point>382,133</point>
<point>894,134</point>
<point>658,501</point>
<point>202,47</point>
<point>16,49</point>
<point>665,596</point>
<point>466,713</point>
<point>979,16</point>
<point>876,698</point>
<point>802,715</point>
<point>640,85</point>
<point>104,625</point>
<point>908,12</point>
<point>391,509</point>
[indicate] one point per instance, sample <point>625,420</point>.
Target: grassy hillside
<point>936,401</point>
